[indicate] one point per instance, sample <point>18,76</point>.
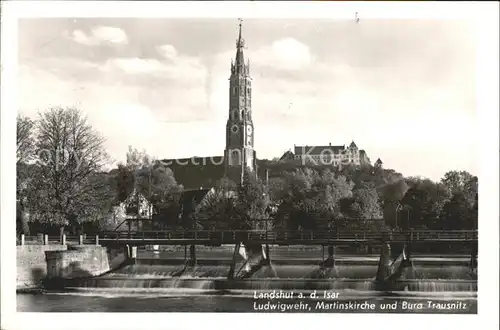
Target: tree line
<point>63,184</point>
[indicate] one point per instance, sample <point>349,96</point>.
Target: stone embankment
<point>38,262</point>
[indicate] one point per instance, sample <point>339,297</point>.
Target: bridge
<point>257,243</point>
<point>282,237</point>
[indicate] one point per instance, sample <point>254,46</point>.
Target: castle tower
<point>239,153</point>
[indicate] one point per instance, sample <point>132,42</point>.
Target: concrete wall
<point>37,262</point>
<point>31,265</point>
<point>77,261</point>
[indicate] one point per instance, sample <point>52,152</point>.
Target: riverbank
<point>36,263</point>
<point>31,264</point>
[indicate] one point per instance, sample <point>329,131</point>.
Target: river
<point>185,301</point>
<point>439,285</point>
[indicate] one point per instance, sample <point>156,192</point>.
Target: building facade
<point>239,154</point>
<point>335,155</point>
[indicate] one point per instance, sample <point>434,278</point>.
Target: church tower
<point>239,153</point>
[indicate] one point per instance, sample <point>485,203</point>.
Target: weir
<point>431,278</point>
<point>390,270</point>
<point>189,261</point>
<point>250,266</point>
<point>254,257</point>
<point>327,267</point>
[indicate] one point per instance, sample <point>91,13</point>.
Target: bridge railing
<point>280,235</point>
<point>44,239</point>
<point>255,235</point>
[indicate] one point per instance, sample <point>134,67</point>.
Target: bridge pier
<point>230,275</point>
<point>267,257</point>
<point>330,260</point>
<point>384,263</point>
<point>473,257</point>
<point>192,255</point>
<point>254,257</point>
<point>327,266</point>
<point>130,253</point>
<point>391,269</point>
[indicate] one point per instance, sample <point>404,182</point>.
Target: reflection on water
<point>196,302</point>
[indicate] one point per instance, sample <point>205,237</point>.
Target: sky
<point>403,90</point>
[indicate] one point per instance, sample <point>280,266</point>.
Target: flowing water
<point>436,285</point>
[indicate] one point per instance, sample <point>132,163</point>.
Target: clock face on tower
<point>234,129</point>
<point>249,130</point>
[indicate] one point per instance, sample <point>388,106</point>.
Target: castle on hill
<point>328,155</point>
<point>239,153</point>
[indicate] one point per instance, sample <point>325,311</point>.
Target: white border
<point>486,16</point>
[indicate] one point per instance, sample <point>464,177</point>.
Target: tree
<point>218,207</point>
<point>123,182</point>
<point>69,153</point>
<point>137,159</point>
<point>25,139</point>
<point>456,180</point>
<point>251,202</point>
<point>474,212</point>
<point>276,189</point>
<point>312,199</point>
<point>154,181</point>
<point>423,204</point>
<point>461,182</point>
<point>391,195</point>
<point>158,183</point>
<point>458,214</point>
<point>25,152</point>
<point>364,204</point>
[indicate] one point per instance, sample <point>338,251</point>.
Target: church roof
<point>287,155</point>
<point>196,172</point>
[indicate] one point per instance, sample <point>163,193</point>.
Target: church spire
<point>239,154</point>
<point>240,59</point>
<point>241,42</point>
